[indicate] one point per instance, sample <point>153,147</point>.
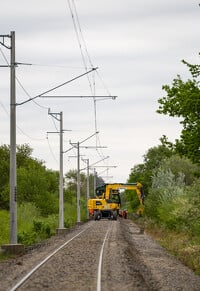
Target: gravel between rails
<point>131,261</point>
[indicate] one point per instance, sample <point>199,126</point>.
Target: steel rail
<point>99,271</point>
<point>100,261</point>
<point>23,280</point>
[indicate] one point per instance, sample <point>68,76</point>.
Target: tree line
<point>37,184</point>
<point>170,174</point>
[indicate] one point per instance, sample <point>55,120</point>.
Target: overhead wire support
<point>3,43</point>
<point>75,144</point>
<point>79,96</point>
<point>106,166</point>
<point>94,147</point>
<point>56,87</point>
<point>91,166</point>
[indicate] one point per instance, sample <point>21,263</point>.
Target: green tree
<point>183,100</point>
<point>181,166</point>
<point>152,159</point>
<point>38,185</point>
<point>35,183</point>
<point>169,182</point>
<point>4,174</point>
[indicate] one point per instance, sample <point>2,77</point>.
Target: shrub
<point>4,226</point>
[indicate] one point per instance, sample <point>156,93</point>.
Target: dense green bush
<point>35,183</point>
<point>174,200</point>
<point>4,226</point>
<point>32,226</point>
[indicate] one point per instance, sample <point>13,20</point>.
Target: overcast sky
<point>137,46</point>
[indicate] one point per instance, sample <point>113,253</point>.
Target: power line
<point>51,151</point>
<point>4,56</point>
<point>76,24</point>
<point>81,34</point>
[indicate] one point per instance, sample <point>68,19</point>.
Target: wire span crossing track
<point>86,246</point>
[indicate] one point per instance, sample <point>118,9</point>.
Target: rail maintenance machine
<point>107,202</point>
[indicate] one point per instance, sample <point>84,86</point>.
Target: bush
<point>44,227</point>
<point>27,238</point>
<point>4,226</point>
<point>40,229</point>
<point>33,227</point>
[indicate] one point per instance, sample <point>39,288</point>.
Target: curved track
<point>95,258</point>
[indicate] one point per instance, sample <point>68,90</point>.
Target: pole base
<point>62,231</point>
<point>14,249</point>
<point>79,223</point>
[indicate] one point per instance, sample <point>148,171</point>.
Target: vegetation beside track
<point>172,206</point>
<point>180,244</point>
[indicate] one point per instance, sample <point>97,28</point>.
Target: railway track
<point>94,258</point>
<point>99,255</point>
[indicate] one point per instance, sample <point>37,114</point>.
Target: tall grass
<point>175,212</point>
<point>4,226</point>
<point>33,227</point>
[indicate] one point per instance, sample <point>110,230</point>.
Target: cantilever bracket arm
<point>56,87</point>
<point>3,42</point>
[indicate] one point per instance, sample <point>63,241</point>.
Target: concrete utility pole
<point>77,145</point>
<point>78,184</point>
<point>59,117</point>
<point>95,181</point>
<point>13,182</point>
<point>13,247</point>
<point>88,184</point>
<point>61,198</point>
<point>95,173</point>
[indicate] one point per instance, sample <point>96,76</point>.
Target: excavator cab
<point>114,197</point>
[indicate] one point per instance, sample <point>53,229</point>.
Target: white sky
<point>136,45</point>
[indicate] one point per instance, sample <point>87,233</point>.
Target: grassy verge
<point>32,226</point>
<point>180,244</point>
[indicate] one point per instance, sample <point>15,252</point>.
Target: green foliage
<point>138,174</point>
<point>38,185</point>
<point>4,174</point>
<point>37,194</point>
<point>70,216</point>
<point>35,183</point>
<point>181,168</point>
<point>152,159</point>
<point>170,174</point>
<point>133,202</point>
<point>32,226</point>
<point>174,199</point>
<point>23,155</point>
<point>4,226</point>
<point>183,100</point>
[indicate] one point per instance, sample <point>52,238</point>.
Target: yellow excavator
<point>107,202</point>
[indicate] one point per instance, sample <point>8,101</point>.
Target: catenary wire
<point>77,26</point>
